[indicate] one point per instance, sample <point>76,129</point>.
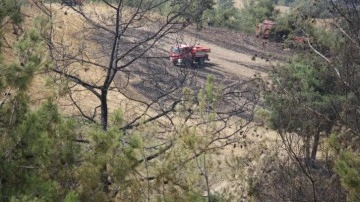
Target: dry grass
<point>239,3</point>
<point>68,29</point>
<point>282,9</point>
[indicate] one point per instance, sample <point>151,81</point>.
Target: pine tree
<point>37,152</point>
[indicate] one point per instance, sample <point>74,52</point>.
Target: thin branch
<point>155,155</point>
<point>80,82</point>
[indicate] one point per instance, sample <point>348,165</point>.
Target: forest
<point>91,108</point>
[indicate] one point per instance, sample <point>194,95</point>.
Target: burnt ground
<point>235,60</point>
<point>240,42</point>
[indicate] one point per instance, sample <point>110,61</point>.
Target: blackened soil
<point>240,42</point>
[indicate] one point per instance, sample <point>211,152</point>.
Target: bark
<point>307,148</point>
<point>315,146</point>
<point>104,109</point>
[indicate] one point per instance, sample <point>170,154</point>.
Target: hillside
<point>231,58</point>
<point>158,113</point>
<point>235,59</point>
<point>152,100</point>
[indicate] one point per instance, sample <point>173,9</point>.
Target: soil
<point>238,53</point>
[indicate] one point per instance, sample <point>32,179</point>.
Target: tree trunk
<point>307,149</point>
<point>315,146</point>
<point>104,109</point>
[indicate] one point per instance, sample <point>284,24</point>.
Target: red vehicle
<point>187,55</point>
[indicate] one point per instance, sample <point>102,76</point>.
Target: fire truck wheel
<point>187,63</point>
<point>201,62</point>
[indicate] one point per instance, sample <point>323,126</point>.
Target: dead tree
<point>125,45</point>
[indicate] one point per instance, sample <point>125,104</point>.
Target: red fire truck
<point>182,54</point>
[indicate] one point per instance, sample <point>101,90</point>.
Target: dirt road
<point>234,58</point>
<point>237,53</point>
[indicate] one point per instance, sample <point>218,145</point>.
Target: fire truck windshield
<point>175,49</point>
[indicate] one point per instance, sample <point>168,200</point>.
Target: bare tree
<point>124,44</point>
